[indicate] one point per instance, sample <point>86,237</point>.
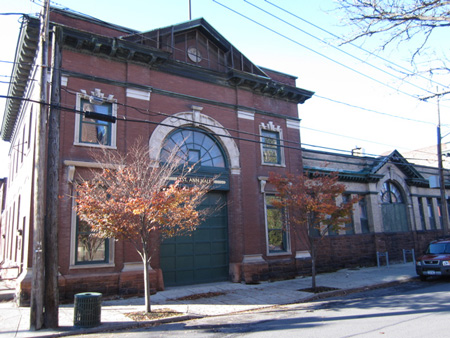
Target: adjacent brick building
<point>397,211</point>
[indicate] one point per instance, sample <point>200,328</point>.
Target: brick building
<point>183,82</point>
<point>398,210</point>
<point>187,85</point>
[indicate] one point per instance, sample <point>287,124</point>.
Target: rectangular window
<point>95,131</point>
<point>349,227</point>
<point>91,129</point>
<point>277,234</point>
<point>431,214</point>
<point>421,213</point>
<point>89,248</point>
<point>271,147</point>
<point>363,216</point>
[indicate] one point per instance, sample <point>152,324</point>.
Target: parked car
<point>435,261</point>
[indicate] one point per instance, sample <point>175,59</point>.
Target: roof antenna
<point>190,12</point>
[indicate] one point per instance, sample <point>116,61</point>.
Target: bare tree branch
<point>402,19</point>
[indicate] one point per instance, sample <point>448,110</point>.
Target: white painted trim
<point>99,95</point>
<point>138,94</point>
<point>288,234</point>
<point>302,255</point>
<point>246,115</point>
<point>64,80</point>
<point>134,266</point>
<point>256,258</point>
<point>73,234</point>
<point>293,124</point>
<point>85,164</point>
<point>277,129</point>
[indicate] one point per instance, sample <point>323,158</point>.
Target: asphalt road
<point>416,309</point>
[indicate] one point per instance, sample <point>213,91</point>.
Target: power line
<point>350,105</point>
<point>374,111</point>
<point>125,119</point>
<point>354,45</point>
<point>358,108</point>
<point>315,52</point>
<point>318,96</point>
<point>148,112</point>
<point>336,48</point>
<point>334,134</point>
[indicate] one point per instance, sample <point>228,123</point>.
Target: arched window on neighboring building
<point>393,208</point>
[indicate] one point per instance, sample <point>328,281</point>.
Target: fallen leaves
<point>155,314</point>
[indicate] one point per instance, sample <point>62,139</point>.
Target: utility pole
<point>51,301</point>
<point>37,282</point>
<point>444,206</point>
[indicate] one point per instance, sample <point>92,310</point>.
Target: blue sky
<point>355,104</point>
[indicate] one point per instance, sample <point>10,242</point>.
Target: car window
<point>439,248</point>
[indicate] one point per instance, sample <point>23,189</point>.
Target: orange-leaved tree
<point>311,207</point>
<point>134,199</point>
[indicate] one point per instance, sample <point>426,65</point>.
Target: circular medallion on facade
<point>194,54</point>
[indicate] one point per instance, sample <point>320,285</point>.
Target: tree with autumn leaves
<point>133,199</point>
<point>310,203</point>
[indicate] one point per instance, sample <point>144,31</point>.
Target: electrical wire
<point>258,140</point>
<point>336,48</point>
<point>324,98</point>
<point>153,113</point>
<point>347,105</point>
<point>374,111</point>
<point>316,52</point>
<point>355,45</point>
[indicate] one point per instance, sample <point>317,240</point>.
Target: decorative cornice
<point>347,176</point>
<point>268,87</point>
<point>20,79</point>
<point>123,50</point>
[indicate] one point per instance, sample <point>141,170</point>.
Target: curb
<point>344,292</point>
<point>72,331</point>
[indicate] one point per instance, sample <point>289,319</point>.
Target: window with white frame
<point>271,144</point>
<point>88,250</point>
<point>277,232</point>
<point>94,131</point>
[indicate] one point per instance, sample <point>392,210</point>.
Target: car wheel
<point>423,278</point>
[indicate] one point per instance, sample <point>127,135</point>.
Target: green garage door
<point>203,256</point>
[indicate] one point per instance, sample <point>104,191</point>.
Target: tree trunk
<point>146,283</point>
<point>313,264</point>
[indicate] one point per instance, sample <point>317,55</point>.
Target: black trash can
<point>87,309</point>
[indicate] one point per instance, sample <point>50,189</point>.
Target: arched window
<point>194,146</point>
<point>393,208</point>
<point>390,193</point>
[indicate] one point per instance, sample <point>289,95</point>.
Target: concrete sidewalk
<point>227,298</point>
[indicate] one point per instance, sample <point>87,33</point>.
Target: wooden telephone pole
<point>51,301</point>
<point>444,206</point>
<point>44,303</point>
<point>38,272</point>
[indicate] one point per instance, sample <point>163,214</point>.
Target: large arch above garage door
<point>197,119</point>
